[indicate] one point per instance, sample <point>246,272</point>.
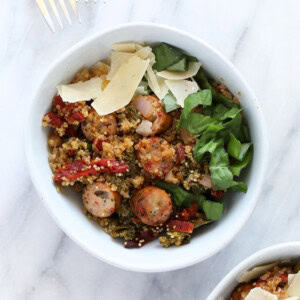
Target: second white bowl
<point>277,253</point>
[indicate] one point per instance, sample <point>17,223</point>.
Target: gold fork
<point>52,3</point>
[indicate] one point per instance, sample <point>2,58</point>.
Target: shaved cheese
<point>144,52</point>
<point>144,128</point>
<point>117,59</point>
<point>260,294</point>
<point>124,47</point>
<point>153,80</point>
<point>120,90</point>
<point>255,272</point>
<point>181,89</point>
<point>162,86</point>
<point>152,58</point>
<point>80,91</point>
<point>174,75</point>
<point>294,288</point>
<point>291,277</point>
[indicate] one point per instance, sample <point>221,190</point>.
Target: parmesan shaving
<point>162,85</point>
<point>121,88</point>
<point>255,272</point>
<point>117,59</point>
<point>144,52</point>
<point>294,288</point>
<point>260,294</point>
<point>291,277</point>
<point>181,89</point>
<point>153,80</point>
<point>174,75</point>
<point>124,47</point>
<point>80,91</point>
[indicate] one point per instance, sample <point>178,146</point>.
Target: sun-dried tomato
<point>79,168</point>
<point>217,194</point>
<point>180,226</point>
<point>180,153</point>
<point>188,213</point>
<point>143,238</point>
<point>54,119</point>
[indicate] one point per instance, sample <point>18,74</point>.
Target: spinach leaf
<point>236,149</point>
<point>245,134</point>
<point>221,175</point>
<point>191,58</point>
<point>203,97</point>
<point>181,66</point>
<point>237,166</point>
<point>166,56</point>
<point>197,123</point>
<point>170,103</point>
<point>217,97</point>
<point>181,197</point>
<point>212,210</point>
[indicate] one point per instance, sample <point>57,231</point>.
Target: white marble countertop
<point>261,37</point>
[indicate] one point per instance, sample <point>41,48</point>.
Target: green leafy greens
<point>170,58</point>
<point>220,132</point>
<point>213,210</point>
<point>170,103</point>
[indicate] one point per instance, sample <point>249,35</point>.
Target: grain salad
<point>150,141</point>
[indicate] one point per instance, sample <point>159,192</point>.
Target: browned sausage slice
<point>153,206</point>
<point>100,200</point>
<point>242,291</point>
<point>94,125</point>
<point>156,156</point>
<point>152,110</point>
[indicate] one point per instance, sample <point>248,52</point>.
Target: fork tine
<point>64,8</point>
<point>53,6</point>
<point>44,10</point>
<point>74,6</point>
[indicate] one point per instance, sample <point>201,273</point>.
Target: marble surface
<point>261,37</point>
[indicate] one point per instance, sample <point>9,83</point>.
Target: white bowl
<point>67,211</point>
<point>276,253</point>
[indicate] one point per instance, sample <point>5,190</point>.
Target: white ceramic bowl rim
<point>100,253</point>
<point>275,253</point>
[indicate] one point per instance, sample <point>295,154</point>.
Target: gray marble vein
<point>37,260</point>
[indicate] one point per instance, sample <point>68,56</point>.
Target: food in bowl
<point>270,282</point>
<point>150,142</point>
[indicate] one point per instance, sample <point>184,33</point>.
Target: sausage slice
<point>152,110</point>
<point>100,200</point>
<point>156,156</point>
<point>94,125</point>
<point>242,291</point>
<point>153,206</point>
